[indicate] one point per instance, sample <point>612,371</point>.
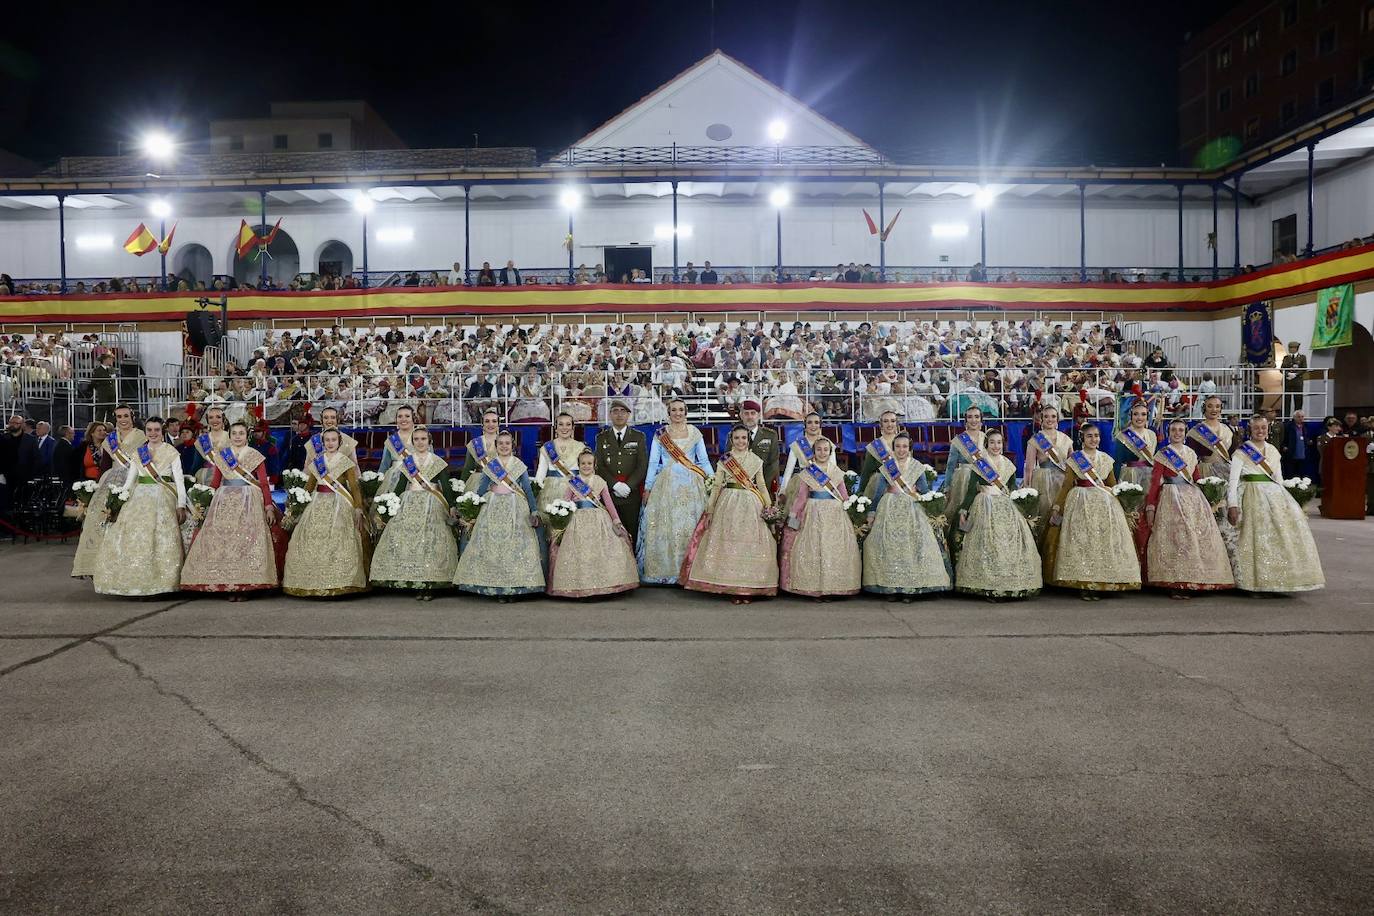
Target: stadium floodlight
<point>161,209</point>
<point>94,242</point>
<point>158,145</point>
<point>396,235</point>
<point>780,197</point>
<point>570,198</point>
<point>364,203</point>
<point>983,198</point>
<point>777,130</point>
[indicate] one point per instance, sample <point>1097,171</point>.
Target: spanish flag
<point>140,242</point>
<point>247,239</point>
<point>165,244</point>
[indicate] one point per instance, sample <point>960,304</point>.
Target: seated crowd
<point>843,370</point>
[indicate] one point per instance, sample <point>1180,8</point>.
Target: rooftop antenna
<point>712,48</point>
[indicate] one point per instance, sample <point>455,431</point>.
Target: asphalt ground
<point>667,752</point>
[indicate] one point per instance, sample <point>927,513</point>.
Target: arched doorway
<point>193,264</point>
<point>1353,380</point>
<point>282,266</point>
<point>335,259</point>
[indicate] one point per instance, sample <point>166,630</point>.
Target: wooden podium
<point>1344,466</point>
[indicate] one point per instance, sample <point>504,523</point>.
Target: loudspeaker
<point>203,329</point>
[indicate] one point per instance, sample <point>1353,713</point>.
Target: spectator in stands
<point>690,275</point>
<point>46,445</point>
<point>18,462</point>
<point>510,274</point>
<point>852,273</point>
<point>191,460</point>
<point>103,386</point>
<point>486,276</point>
<point>1352,425</point>
<point>708,275</point>
<point>978,273</point>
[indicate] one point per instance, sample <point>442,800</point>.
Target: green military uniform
<point>764,443</point>
<point>624,459</point>
<point>103,388</point>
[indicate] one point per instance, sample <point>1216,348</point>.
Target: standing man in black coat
<point>622,460</point>
<point>18,461</point>
<point>64,463</point>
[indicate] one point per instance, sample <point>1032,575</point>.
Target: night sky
<point>998,82</point>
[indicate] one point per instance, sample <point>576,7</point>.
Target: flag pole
<point>262,201</point>
<point>162,234</point>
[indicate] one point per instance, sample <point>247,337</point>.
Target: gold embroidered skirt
<point>326,556</point>
<point>902,555</point>
<point>141,553</point>
<point>1185,550</point>
<point>997,555</point>
<point>502,555</point>
<point>1093,549</point>
<point>417,549</point>
<point>1274,547</point>
<point>93,527</point>
<point>822,557</point>
<point>590,559</point>
<point>233,550</point>
<point>732,552</point>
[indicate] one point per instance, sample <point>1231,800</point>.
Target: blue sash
<point>1085,468</point>
<point>807,449</point>
<point>317,443</point>
<point>497,470</point>
<point>479,448</point>
<point>970,447</point>
<point>1209,438</point>
<point>397,446</point>
<point>1135,443</point>
<point>1046,447</point>
<point>226,455</point>
<point>112,443</point>
<point>1174,459</point>
<point>986,470</point>
<point>207,448</point>
<point>145,457</point>
<point>408,462</point>
<point>320,470</point>
<point>581,487</point>
<point>822,478</point>
<point>885,458</point>
<point>1252,453</point>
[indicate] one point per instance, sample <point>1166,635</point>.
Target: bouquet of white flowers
<point>930,475</point>
<point>387,505</point>
<point>558,514</point>
<point>933,503</point>
<point>469,505</point>
<point>1213,490</point>
<point>1130,495</point>
<point>297,498</point>
<point>851,478</point>
<point>371,482</point>
<point>457,486</point>
<point>83,490</point>
<point>200,496</point>
<point>1301,489</point>
<point>857,507</point>
<point>1027,501</point>
<point>115,501</point>
<point>293,478</point>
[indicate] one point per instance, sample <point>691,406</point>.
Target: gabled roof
<point>717,91</point>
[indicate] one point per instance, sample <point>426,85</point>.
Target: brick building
<point>1266,67</point>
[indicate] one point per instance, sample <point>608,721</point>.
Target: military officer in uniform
<point>762,441</point>
<point>622,460</point>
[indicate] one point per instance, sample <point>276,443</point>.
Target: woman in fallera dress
<point>1089,545</point>
<point>1046,454</point>
<point>1212,440</point>
<point>209,441</point>
<point>820,551</point>
<point>592,556</point>
<point>557,460</point>
<point>141,553</point>
<point>1275,552</point>
<point>116,452</point>
<point>233,550</point>
<point>799,455</point>
<point>502,557</point>
<point>328,551</point>
<point>1135,448</point>
<point>995,555</point>
<point>902,555</point>
<point>417,551</point>
<point>964,451</point>
<point>733,551</point>
<point>675,486</point>
<point>1184,552</point>
<point>405,426</point>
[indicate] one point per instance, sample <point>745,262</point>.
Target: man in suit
<point>1294,366</point>
<point>103,385</point>
<point>510,274</point>
<point>762,441</point>
<point>1295,448</point>
<point>46,444</point>
<point>18,462</point>
<point>64,456</point>
<point>622,460</point>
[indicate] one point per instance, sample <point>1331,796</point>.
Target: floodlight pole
<point>262,252</point>
<point>675,279</point>
<point>1311,189</point>
<point>467,234</point>
<point>1235,203</point>
<point>161,237</point>
<point>778,278</point>
<point>62,241</point>
<point>1180,233</point>
<point>1216,239</point>
<point>882,237</point>
<point>365,277</point>
<point>1082,232</point>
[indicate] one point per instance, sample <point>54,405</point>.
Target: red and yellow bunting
<point>1273,283</point>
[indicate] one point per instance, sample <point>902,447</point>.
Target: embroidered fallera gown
<point>550,482</point>
<point>902,554</point>
<point>732,551</point>
<point>502,556</point>
<point>96,523</point>
<point>1184,551</point>
<point>589,558</point>
<point>820,558</point>
<point>996,557</point>
<point>1275,551</point>
<point>417,550</point>
<point>233,550</point>
<point>958,471</point>
<point>328,553</point>
<point>142,552</point>
<point>675,500</point>
<point>1047,477</point>
<point>1092,548</point>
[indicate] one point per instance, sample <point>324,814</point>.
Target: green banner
<point>1335,313</point>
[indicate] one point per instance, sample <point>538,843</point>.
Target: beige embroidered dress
<point>1274,547</point>
<point>328,554</point>
<point>233,550</point>
<point>549,477</point>
<point>503,554</point>
<point>589,558</point>
<point>1184,551</point>
<point>902,553</point>
<point>996,557</point>
<point>1092,548</point>
<point>733,552</point>
<point>1047,476</point>
<point>417,549</point>
<point>141,553</point>
<point>96,522</point>
<point>820,552</point>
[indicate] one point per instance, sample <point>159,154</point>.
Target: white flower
<point>851,475</point>
<point>84,486</point>
<point>1298,483</point>
<point>1211,480</point>
<point>201,488</point>
<point>1126,487</point>
<point>121,495</point>
<point>300,495</point>
<point>1025,493</point>
<point>457,486</point>
<point>388,504</point>
<point>370,476</point>
<point>294,478</point>
<point>472,497</point>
